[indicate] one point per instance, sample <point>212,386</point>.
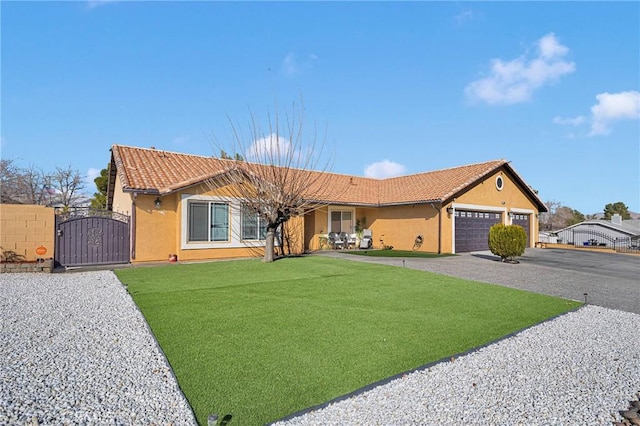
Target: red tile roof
<point>162,172</point>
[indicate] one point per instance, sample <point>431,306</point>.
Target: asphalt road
<point>609,280</point>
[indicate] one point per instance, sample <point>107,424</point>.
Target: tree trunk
<point>268,245</point>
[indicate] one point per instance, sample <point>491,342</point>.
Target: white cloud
<point>384,169</point>
<point>550,48</point>
<point>269,149</point>
<point>613,107</point>
<point>464,16</point>
<point>291,65</point>
<point>570,121</point>
<point>90,176</point>
<point>515,81</point>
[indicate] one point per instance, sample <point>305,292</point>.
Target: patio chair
<point>335,241</point>
<point>350,240</point>
<point>366,242</point>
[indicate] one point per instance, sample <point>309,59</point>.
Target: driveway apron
<point>608,280</point>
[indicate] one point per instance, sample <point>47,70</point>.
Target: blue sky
<point>400,87</point>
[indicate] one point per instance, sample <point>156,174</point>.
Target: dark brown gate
<point>91,237</point>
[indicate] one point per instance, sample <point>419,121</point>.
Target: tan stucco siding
<point>399,227</point>
<point>121,200</point>
<point>315,225</point>
<point>155,230</point>
<point>161,231</point>
<point>485,194</point>
<point>294,235</point>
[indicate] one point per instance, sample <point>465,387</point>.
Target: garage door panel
<point>472,229</point>
<point>522,220</point>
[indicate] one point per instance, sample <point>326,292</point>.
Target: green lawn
<point>395,253</point>
<point>261,341</point>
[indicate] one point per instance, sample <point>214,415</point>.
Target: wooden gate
<point>91,237</point>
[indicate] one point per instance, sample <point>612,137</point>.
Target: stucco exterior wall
<point>121,200</point>
<point>159,232</point>
<point>23,228</point>
<point>485,194</point>
<point>155,228</point>
<point>399,226</point>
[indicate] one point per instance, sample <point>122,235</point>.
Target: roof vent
<point>152,147</point>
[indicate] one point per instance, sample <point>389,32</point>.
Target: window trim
<point>235,224</point>
<point>260,224</point>
<point>210,226</point>
<point>341,209</point>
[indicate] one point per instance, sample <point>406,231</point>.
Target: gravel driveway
<point>610,280</point>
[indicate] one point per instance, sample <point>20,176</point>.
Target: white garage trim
<point>472,207</point>
<point>522,211</point>
<point>531,214</point>
<point>478,207</point>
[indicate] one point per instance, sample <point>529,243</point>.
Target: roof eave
<point>142,191</point>
<point>411,202</point>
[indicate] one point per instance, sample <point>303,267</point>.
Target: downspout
<point>132,238</point>
<point>439,227</point>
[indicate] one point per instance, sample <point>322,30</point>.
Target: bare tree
<point>548,220</point>
<point>36,186</point>
<point>24,185</point>
<point>68,184</point>
<point>559,216</point>
<point>282,173</point>
<point>8,178</point>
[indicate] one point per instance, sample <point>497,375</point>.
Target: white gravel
<point>579,369</point>
<point>74,349</point>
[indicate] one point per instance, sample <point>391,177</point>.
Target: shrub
<point>507,241</point>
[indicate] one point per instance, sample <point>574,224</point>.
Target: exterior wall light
<point>449,211</point>
<point>158,203</point>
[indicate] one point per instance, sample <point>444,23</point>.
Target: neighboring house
<point>174,211</point>
<point>604,233</point>
<point>78,202</point>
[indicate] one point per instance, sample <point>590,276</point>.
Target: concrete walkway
<point>610,280</point>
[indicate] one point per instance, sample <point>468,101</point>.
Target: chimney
<point>616,219</point>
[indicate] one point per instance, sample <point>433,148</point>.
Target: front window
<point>208,221</point>
<point>341,221</point>
<point>254,227</point>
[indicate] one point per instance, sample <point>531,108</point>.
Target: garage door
<point>522,220</point>
<point>472,229</point>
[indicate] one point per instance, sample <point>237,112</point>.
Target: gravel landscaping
<point>74,349</point>
<point>579,369</point>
